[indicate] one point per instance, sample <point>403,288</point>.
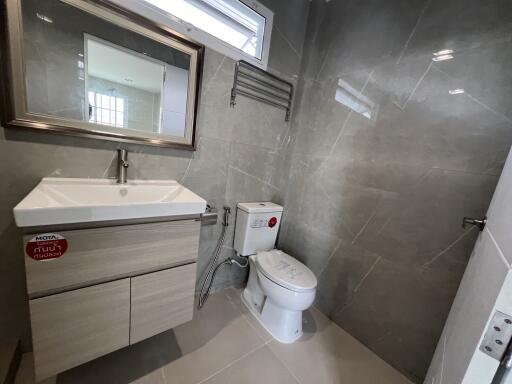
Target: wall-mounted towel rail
<point>257,84</point>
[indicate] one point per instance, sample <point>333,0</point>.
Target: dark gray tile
<point>388,314</point>
<point>417,226</point>
<point>342,276</point>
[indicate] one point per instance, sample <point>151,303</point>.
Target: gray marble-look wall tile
<point>372,206</point>
<point>415,227</point>
<point>342,276</point>
<point>219,170</point>
<point>388,313</point>
<point>291,25</point>
<point>314,247</point>
<point>379,180</point>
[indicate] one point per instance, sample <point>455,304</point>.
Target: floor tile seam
<point>231,364</point>
<point>245,315</point>
<point>284,364</point>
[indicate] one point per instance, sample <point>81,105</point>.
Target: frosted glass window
<point>228,20</point>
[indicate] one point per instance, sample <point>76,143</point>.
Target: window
<point>106,110</point>
<point>237,28</point>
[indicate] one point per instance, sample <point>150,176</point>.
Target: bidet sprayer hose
<point>212,265</point>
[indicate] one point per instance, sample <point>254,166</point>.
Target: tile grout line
<point>105,173</point>
<point>450,246</point>
<point>231,364</point>
<point>329,259</point>
<point>473,98</point>
<point>377,206</point>
<point>481,103</point>
<point>464,171</point>
<point>233,304</point>
<point>344,125</point>
<point>342,130</point>
<point>498,248</point>
<point>185,174</point>
<point>284,364</point>
<point>417,85</point>
<point>367,274</point>
<point>333,206</point>
<point>206,86</point>
<point>254,177</point>
<point>420,17</point>
<point>288,42</point>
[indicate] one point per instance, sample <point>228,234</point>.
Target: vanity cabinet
<point>73,327</point>
<point>114,286</point>
<point>161,301</point>
<point>107,253</point>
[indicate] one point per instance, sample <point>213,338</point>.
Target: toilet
<point>280,287</point>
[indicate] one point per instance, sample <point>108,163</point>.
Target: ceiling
<point>122,66</point>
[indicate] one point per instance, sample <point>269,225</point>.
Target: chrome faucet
<point>122,166</point>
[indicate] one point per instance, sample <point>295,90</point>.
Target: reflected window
<point>106,110</point>
<point>137,84</point>
<point>355,100</point>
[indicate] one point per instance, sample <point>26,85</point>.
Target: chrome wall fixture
<point>257,84</point>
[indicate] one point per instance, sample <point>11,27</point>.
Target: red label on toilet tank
<point>46,246</point>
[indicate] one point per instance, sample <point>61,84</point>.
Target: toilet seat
<point>285,271</point>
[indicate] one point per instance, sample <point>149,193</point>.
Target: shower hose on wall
<point>212,267</point>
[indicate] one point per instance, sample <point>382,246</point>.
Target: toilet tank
<point>256,227</point>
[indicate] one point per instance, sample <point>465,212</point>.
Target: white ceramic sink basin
<point>64,201</point>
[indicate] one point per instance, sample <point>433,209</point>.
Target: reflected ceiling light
<point>44,18</point>
<point>457,91</point>
<point>443,52</point>
<point>442,58</point>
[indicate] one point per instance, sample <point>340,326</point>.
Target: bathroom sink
<point>64,201</point>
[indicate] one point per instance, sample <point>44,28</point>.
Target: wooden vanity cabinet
<point>115,286</point>
<point>104,254</point>
<point>161,301</point>
<point>73,327</point>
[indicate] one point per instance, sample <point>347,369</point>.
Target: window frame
<point>167,20</point>
<point>94,118</point>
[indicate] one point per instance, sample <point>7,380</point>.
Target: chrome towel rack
<point>257,84</point>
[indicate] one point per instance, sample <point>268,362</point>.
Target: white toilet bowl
<point>279,289</point>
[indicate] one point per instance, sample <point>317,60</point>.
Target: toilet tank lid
<point>260,207</point>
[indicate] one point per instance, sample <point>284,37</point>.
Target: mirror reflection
<point>79,66</point>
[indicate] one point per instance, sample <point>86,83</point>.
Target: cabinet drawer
<point>101,254</point>
<point>161,301</point>
<point>74,327</point>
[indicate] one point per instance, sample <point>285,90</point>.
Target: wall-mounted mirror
<point>91,68</point>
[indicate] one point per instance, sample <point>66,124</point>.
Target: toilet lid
<point>285,270</point>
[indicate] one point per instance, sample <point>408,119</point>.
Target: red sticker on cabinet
<point>46,246</point>
<point>272,222</point>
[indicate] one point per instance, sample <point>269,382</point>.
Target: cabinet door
<point>71,328</point>
<point>105,254</point>
<point>161,301</point>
